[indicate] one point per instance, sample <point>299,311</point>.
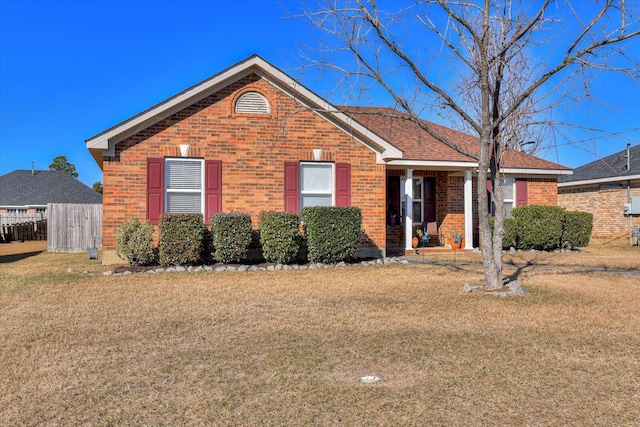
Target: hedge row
<point>331,234</point>
<point>546,228</point>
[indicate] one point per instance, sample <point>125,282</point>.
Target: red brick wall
<point>453,216</point>
<point>542,191</point>
<point>606,205</point>
<point>253,150</point>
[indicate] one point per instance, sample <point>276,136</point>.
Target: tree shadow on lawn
<point>519,270</point>
<point>5,259</point>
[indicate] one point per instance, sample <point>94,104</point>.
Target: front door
<point>429,198</point>
<point>393,200</point>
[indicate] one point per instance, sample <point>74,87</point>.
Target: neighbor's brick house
<point>258,140</point>
<point>603,187</point>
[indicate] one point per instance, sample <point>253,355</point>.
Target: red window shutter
<point>292,187</point>
<point>343,184</point>
<point>212,189</point>
<point>521,192</point>
<point>155,189</point>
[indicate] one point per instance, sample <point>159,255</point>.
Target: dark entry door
<point>393,195</point>
<point>429,200</point>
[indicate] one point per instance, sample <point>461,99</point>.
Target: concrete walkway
<point>412,259</point>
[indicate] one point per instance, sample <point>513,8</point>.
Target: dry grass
<point>289,347</point>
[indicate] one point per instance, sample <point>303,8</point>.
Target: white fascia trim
<point>599,181</point>
<point>324,108</point>
<point>549,172</point>
<point>431,164</point>
<point>108,139</point>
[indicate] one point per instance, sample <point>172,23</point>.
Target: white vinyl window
<point>316,184</point>
<point>417,200</point>
<point>184,183</point>
<point>509,192</point>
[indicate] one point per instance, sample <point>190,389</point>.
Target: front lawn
<point>290,347</point>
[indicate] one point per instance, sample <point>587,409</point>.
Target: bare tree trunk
<point>491,259</point>
<point>492,266</point>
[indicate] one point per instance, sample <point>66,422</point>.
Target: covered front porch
<point>430,209</point>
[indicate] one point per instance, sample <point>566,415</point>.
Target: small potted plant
<point>456,240</point>
<point>417,238</point>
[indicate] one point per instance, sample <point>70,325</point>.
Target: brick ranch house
<point>603,188</point>
<point>251,138</point>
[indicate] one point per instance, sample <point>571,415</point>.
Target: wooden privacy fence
<point>12,229</point>
<point>73,227</point>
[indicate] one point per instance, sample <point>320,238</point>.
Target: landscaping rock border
<point>127,270</point>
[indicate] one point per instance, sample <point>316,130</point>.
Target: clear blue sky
<point>71,69</point>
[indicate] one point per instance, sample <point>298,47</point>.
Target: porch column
<point>468,210</point>
<point>408,219</point>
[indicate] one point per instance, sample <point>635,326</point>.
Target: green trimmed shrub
<point>181,239</point>
<point>577,229</point>
<point>510,238</point>
<point>134,242</point>
<point>279,236</point>
<point>332,233</point>
<point>231,236</point>
<point>539,227</point>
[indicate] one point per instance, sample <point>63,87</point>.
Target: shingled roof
<point>416,144</point>
<point>37,188</point>
<point>613,166</point>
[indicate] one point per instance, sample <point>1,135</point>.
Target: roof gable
<point>104,142</point>
<point>610,168</point>
<point>40,187</point>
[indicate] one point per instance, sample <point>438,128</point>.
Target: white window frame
<point>418,199</point>
<point>504,182</point>
<point>332,186</point>
<point>167,190</point>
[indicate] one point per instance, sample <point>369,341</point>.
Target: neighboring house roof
<point>418,145</point>
<point>37,188</point>
<point>397,142</point>
<point>608,169</point>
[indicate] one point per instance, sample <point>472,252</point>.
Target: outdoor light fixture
<point>184,150</point>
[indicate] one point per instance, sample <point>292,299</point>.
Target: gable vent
<point>252,103</point>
